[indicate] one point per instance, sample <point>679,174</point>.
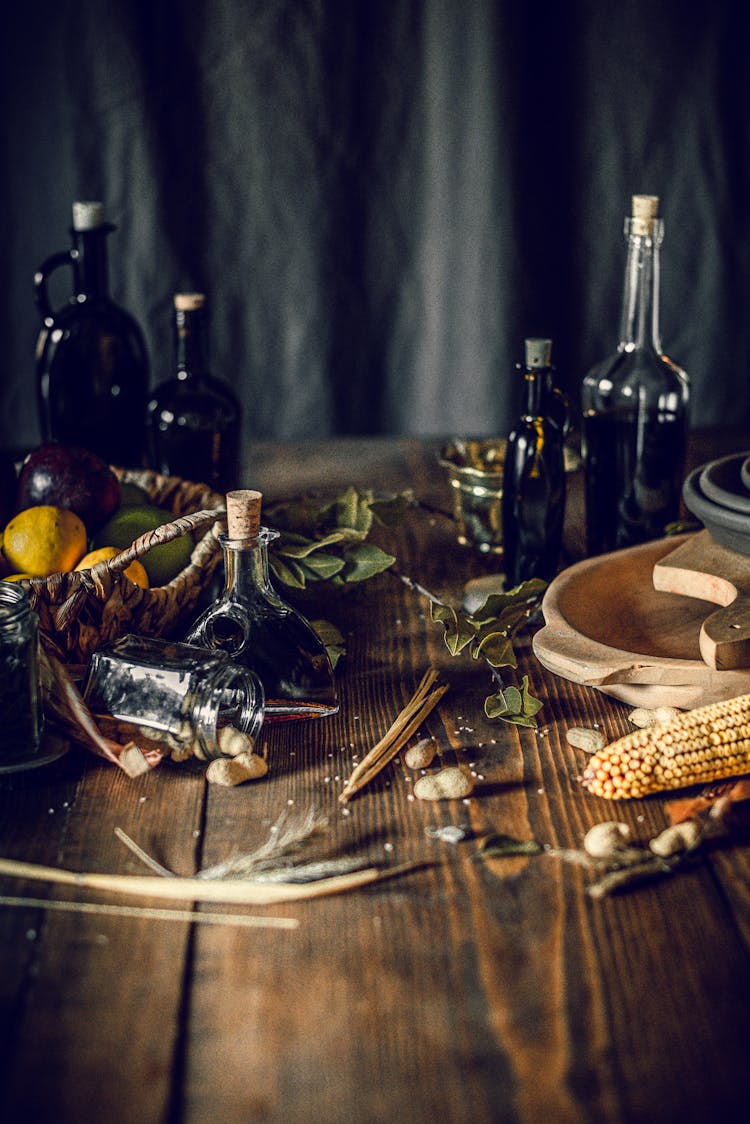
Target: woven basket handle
<point>166,533</point>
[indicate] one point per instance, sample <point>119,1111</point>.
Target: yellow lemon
<point>135,571</point>
<point>161,563</point>
<point>44,539</point>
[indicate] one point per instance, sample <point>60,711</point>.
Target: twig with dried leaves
<point>422,702</point>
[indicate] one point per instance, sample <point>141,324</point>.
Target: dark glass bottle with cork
<point>635,409</point>
<point>92,363</point>
<point>534,473</point>
<point>194,418</point>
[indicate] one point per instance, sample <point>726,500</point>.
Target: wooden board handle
<point>702,568</point>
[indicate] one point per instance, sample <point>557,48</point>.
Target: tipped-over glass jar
<point>177,695</point>
<point>257,628</point>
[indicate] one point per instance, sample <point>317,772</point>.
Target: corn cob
<point>702,745</point>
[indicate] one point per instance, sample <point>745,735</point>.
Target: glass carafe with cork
<point>257,628</point>
<point>635,408</point>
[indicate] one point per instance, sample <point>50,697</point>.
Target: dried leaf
<point>334,642</point>
<point>497,846</point>
<point>287,572</point>
<point>512,705</point>
<point>328,542</point>
<point>459,630</point>
<point>365,561</point>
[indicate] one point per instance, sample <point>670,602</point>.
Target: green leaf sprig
<point>329,542</point>
<point>488,634</point>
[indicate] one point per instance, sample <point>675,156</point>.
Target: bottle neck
<point>535,381</point>
<point>639,326</point>
<point>90,262</point>
<point>246,565</point>
<point>191,343</point>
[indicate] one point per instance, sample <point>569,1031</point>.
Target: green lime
<point>161,563</point>
<point>133,494</point>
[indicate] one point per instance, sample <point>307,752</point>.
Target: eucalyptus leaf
<point>514,705</point>
<point>288,573</point>
<point>497,649</point>
<point>364,561</point>
<point>497,603</point>
<point>304,547</point>
<point>353,510</point>
<point>321,566</point>
<point>458,629</point>
<point>513,699</point>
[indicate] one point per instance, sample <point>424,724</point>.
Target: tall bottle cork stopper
<point>87,215</point>
<point>538,352</point>
<point>645,208</point>
<point>189,302</point>
<point>243,513</point>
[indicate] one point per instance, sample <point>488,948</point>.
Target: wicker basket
<point>79,611</point>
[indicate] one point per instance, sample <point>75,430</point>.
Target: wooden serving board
<point>704,569</point>
<point>607,626</point>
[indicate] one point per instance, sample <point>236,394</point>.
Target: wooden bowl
<point>606,626</point>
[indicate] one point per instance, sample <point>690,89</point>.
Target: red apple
<point>72,477</point>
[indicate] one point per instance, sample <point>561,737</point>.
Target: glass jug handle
<point>41,277</point>
<point>225,629</point>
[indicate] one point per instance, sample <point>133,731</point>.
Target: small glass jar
<point>177,694</point>
<point>20,705</point>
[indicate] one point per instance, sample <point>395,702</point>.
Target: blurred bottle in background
<point>194,418</point>
<point>92,362</point>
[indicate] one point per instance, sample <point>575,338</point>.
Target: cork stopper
<point>243,513</point>
<point>538,352</point>
<point>189,302</point>
<point>645,208</point>
<point>88,216</point>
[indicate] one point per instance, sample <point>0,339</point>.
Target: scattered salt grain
<point>31,934</point>
<point>387,846</point>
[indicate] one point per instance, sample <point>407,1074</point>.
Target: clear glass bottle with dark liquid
<point>257,628</point>
<point>534,474</point>
<point>635,409</point>
<point>194,418</point>
<point>92,363</point>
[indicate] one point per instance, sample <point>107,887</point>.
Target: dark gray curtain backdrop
<point>382,198</point>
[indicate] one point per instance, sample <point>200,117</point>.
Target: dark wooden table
<point>465,990</point>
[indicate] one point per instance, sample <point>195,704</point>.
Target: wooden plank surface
<point>467,990</point>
